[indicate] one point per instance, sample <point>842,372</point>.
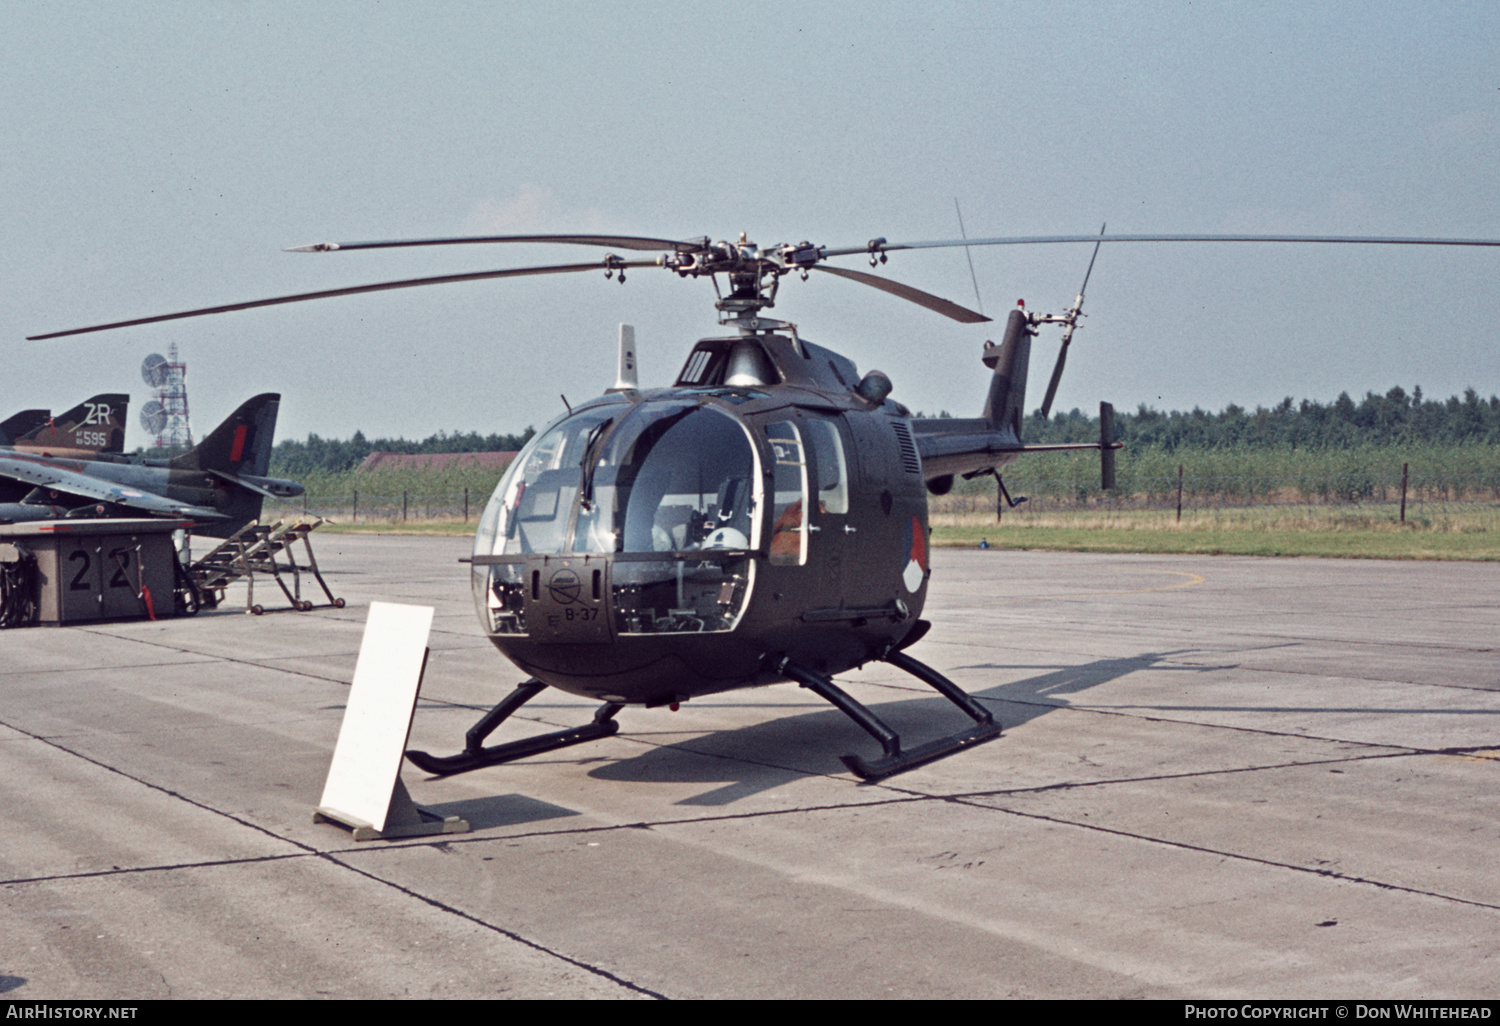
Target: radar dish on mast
<point>155,371</point>
<point>165,417</point>
<point>153,417</point>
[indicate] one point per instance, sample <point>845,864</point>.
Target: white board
<point>367,759</point>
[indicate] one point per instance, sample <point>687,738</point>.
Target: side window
<point>827,446</point>
<point>788,518</point>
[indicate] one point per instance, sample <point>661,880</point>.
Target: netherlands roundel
<point>916,556</point>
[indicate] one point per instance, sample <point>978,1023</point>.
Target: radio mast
<point>165,417</point>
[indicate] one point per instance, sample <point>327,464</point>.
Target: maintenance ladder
<point>252,550</point>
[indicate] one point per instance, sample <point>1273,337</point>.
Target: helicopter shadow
<point>746,761</point>
<point>501,810</point>
<point>1024,700</point>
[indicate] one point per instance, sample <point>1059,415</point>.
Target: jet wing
<point>74,483</point>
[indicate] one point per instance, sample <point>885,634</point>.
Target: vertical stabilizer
<point>1006,405</point>
<point>240,445</point>
<point>95,425</point>
<point>1106,446</point>
<point>21,424</point>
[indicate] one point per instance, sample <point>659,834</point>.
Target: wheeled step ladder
<point>253,550</point>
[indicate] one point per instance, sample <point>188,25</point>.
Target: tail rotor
<point>1069,321</point>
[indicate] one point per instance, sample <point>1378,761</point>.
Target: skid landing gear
<point>894,760</point>
<point>475,755</point>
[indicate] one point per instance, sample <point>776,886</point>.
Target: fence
<point>407,507</point>
<point>1404,495</point>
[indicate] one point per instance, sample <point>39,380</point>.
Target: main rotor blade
<point>383,286</point>
<point>895,288</point>
<point>607,241</point>
<point>970,256</point>
<point>1023,240</point>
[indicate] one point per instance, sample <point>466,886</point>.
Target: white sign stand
<point>364,791</point>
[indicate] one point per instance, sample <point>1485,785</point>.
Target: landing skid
<point>476,756</point>
<point>893,759</point>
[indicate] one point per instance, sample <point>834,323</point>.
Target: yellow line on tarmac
<point>1192,581</point>
<point>1485,755</point>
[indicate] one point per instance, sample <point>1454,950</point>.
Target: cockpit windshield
<point>532,507</point>
<point>670,476</point>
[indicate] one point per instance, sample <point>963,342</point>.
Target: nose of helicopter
<point>622,536</point>
<point>625,629</point>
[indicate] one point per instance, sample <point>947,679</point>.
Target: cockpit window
<point>788,533</point>
<point>673,477</point>
<point>833,470</point>
<point>668,476</point>
<point>530,509</point>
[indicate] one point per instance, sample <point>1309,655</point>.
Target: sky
<point>161,156</point>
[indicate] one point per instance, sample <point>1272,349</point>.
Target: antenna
<point>627,377</point>
<point>153,418</point>
<point>165,417</point>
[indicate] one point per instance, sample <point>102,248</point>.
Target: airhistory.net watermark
<point>47,1010</point>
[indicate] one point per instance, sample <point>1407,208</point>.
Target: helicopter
<point>762,520</point>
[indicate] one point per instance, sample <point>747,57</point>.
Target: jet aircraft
<point>221,483</point>
<point>94,426</point>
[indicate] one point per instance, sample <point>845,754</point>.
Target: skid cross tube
<point>474,756</point>
<point>893,759</point>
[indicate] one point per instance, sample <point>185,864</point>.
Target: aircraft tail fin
<point>95,425</point>
<point>240,446</point>
<point>1006,405</point>
<point>21,424</point>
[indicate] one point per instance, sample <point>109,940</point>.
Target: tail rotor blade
<point>1084,287</point>
<point>1057,369</point>
<point>1071,322</point>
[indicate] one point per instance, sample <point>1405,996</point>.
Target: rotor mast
<point>754,276</point>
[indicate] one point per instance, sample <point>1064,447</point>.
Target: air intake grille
<point>910,461</point>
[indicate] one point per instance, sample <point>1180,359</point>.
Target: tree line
<point>292,458</point>
<point>1396,418</point>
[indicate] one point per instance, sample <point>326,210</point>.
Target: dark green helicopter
<point>763,520</point>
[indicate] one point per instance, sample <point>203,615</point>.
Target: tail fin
<point>95,425</point>
<point>240,445</point>
<point>21,424</point>
<point>1107,447</point>
<point>1006,405</point>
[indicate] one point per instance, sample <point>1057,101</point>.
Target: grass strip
<point>1252,534</point>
